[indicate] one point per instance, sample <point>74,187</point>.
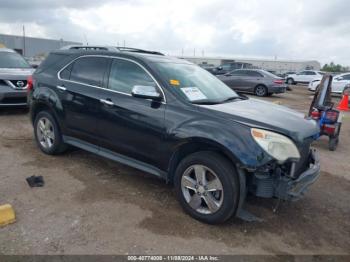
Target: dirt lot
<point>90,205</point>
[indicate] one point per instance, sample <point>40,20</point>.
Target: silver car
<point>14,72</point>
<point>256,81</point>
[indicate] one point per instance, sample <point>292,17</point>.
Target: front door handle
<point>62,88</point>
<point>107,102</point>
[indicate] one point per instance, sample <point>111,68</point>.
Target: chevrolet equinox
<point>175,120</point>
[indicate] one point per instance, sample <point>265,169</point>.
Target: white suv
<point>338,84</point>
<point>305,77</point>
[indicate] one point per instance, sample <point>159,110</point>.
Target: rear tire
<point>47,134</point>
<point>213,199</point>
<point>260,90</point>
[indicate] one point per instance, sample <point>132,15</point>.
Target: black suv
<point>173,119</point>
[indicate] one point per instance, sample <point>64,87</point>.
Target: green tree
<point>332,67</point>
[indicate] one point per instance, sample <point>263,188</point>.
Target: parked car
<point>228,67</point>
<point>14,71</point>
<point>338,84</point>
<point>304,77</point>
<point>175,120</point>
<point>209,67</point>
<point>256,81</point>
<point>284,75</point>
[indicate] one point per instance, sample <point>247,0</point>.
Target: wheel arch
<point>260,84</point>
<point>40,106</point>
<point>195,145</point>
<point>37,108</point>
<point>291,79</point>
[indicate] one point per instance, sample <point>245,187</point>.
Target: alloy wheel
<point>202,189</point>
<point>260,91</point>
<point>45,133</point>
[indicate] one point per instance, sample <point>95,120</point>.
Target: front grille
<point>19,84</point>
<point>14,100</point>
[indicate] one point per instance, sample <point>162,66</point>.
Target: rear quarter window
<point>89,70</point>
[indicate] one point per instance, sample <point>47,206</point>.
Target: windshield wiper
<point>215,102</point>
<point>205,102</point>
<point>232,98</point>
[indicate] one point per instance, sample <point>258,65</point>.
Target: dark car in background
<point>228,67</point>
<point>256,81</point>
<point>14,73</point>
<point>175,120</point>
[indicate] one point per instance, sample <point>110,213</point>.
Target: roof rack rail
<point>90,47</point>
<point>109,48</point>
<point>136,50</point>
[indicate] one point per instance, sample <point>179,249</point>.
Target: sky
<point>282,29</point>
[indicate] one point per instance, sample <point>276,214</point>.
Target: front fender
<point>233,139</point>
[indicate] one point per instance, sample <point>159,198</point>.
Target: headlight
<point>276,145</point>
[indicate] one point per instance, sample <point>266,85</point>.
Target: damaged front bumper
<point>294,189</point>
<point>281,185</point>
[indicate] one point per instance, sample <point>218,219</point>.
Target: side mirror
<point>219,67</point>
<point>34,66</point>
<point>146,92</point>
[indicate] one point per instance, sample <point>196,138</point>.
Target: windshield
<point>195,84</point>
<point>12,60</point>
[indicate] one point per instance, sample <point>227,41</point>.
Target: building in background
<point>31,46</point>
<point>278,66</point>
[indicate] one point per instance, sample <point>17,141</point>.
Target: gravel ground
<point>90,205</point>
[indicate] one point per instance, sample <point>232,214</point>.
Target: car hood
<point>15,73</point>
<point>266,115</point>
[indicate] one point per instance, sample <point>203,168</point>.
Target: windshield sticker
<point>193,93</point>
<point>174,82</point>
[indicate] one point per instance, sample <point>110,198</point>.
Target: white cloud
<point>295,29</point>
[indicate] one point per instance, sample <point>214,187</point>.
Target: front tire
<point>207,187</point>
<point>47,134</point>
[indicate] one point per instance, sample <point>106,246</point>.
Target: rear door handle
<point>62,88</point>
<point>107,102</point>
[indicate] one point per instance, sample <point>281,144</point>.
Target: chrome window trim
<point>114,91</point>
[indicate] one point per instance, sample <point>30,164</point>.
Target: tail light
<point>328,129</point>
<point>278,81</point>
<point>315,115</point>
<point>29,84</point>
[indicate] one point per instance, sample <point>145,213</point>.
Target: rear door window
<point>254,74</point>
<point>238,73</point>
<point>89,70</point>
